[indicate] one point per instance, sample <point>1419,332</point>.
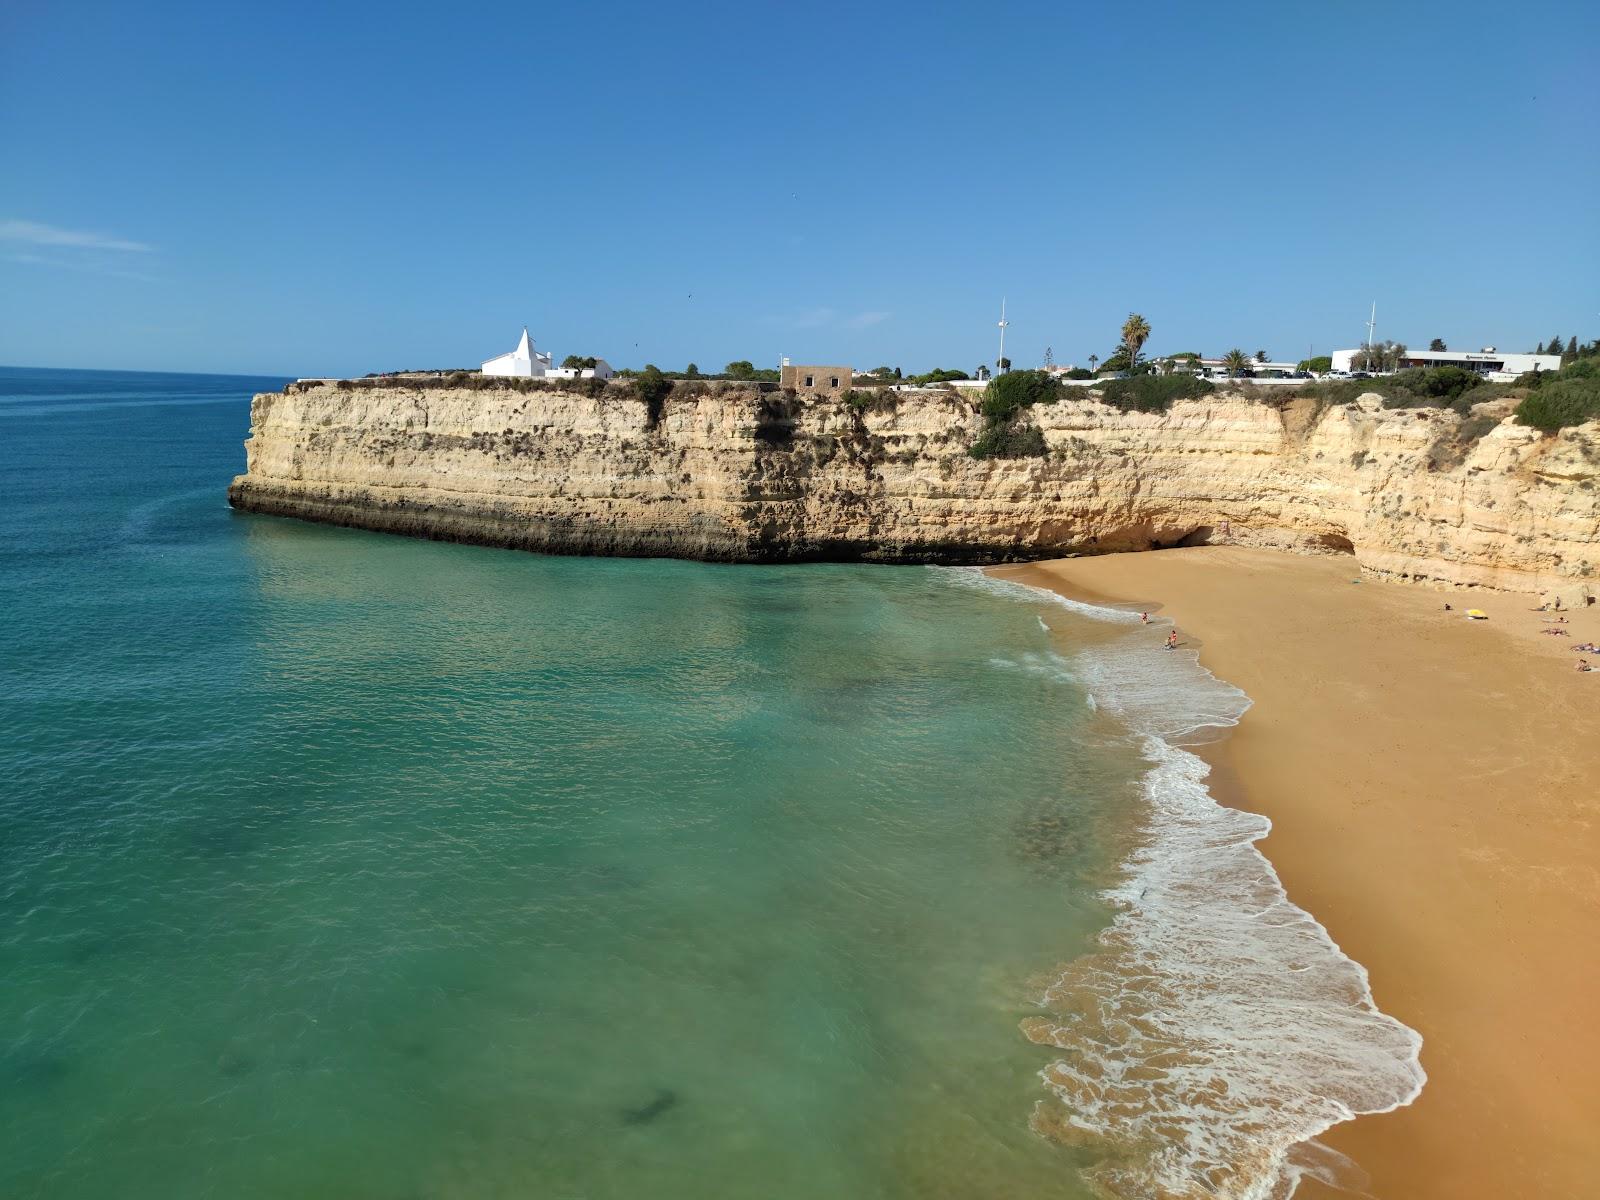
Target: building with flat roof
<point>1499,367</point>
<point>830,380</point>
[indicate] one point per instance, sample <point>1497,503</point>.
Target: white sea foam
<point>978,579</point>
<point>1218,1029</point>
<point>1048,665</point>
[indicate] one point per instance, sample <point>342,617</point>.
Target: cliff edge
<point>733,473</point>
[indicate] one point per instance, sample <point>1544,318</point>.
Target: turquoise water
<point>335,864</point>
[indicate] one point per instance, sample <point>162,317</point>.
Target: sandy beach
<point>1434,787</point>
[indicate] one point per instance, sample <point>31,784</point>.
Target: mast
<point>1000,363</point>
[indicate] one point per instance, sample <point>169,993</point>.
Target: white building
<point>524,362</point>
<point>1259,372</point>
<point>600,370</point>
<point>1498,367</point>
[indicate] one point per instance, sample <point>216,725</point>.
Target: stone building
<point>828,380</point>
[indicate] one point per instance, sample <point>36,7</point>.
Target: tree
<point>1236,362</point>
<point>573,362</point>
<point>1572,350</point>
<point>1555,346</point>
<point>1261,356</point>
<point>1135,333</point>
<point>691,372</point>
<point>1004,364</point>
<point>1093,358</point>
<point>653,388</point>
<point>1539,349</point>
<point>938,375</point>
<point>1438,346</point>
<point>1379,356</point>
<point>740,369</point>
<point>1320,365</point>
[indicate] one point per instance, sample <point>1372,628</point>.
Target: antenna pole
<point>1000,364</point>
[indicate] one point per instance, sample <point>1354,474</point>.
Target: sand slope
<point>1434,785</point>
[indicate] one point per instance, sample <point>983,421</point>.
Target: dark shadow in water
<point>88,947</point>
<point>25,1070</point>
<point>234,1064</point>
<point>665,1098</point>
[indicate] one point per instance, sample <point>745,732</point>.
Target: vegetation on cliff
<point>1005,433</point>
<point>1152,393</point>
<point>1557,399</point>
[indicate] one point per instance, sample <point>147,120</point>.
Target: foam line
<point>1217,1029</point>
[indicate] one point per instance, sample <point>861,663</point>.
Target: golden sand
<point>1434,787</point>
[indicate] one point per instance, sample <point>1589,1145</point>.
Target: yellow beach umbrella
<point>1477,614</point>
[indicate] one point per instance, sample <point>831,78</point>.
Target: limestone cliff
<point>735,473</point>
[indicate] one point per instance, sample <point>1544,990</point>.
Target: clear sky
<point>312,188</point>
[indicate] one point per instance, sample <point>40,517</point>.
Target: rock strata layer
<point>737,474</point>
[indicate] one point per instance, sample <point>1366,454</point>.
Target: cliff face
<point>735,474</point>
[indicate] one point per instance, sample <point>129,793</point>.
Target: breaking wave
<point>1217,1029</point>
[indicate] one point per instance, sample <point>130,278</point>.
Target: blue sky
<point>340,188</point>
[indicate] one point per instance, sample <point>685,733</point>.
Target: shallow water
<point>341,864</point>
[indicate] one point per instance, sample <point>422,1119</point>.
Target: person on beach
<point>1583,665</point>
<point>1144,618</point>
<point>1172,640</point>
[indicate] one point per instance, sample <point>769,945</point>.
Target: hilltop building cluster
<point>526,361</point>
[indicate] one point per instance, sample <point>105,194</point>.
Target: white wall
<point>509,364</point>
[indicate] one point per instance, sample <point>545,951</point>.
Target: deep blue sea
<point>341,864</point>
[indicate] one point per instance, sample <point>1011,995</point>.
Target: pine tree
<point>1539,349</point>
<point>1572,349</point>
<point>1555,346</point>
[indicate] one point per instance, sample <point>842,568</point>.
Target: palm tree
<point>1261,356</point>
<point>1135,333</point>
<point>1093,358</point>
<point>1235,361</point>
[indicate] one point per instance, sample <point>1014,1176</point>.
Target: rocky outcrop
<point>739,474</point>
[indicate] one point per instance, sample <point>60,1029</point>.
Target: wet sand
<point>1434,787</point>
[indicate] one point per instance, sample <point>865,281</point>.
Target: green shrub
<point>1435,383</point>
<point>652,387</point>
<point>1152,393</point>
<point>1016,390</point>
<point>1010,440</point>
<point>1320,365</point>
<point>1080,373</point>
<point>1561,402</point>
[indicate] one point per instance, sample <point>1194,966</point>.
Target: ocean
<point>340,864</point>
